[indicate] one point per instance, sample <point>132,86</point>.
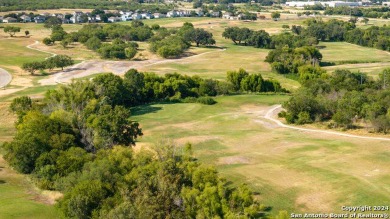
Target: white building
<point>386,3</point>
<point>114,19</point>
<point>334,4</point>
<point>9,20</point>
<point>227,15</point>
<point>159,15</point>
<point>300,4</point>
<point>172,14</point>
<point>127,16</point>
<point>137,16</point>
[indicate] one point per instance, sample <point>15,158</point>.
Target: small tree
<point>52,21</point>
<point>61,61</point>
<point>365,20</point>
<point>285,27</point>
<point>33,66</point>
<point>202,37</point>
<point>47,41</point>
<point>130,52</point>
<point>11,30</point>
<point>275,15</point>
<point>64,43</point>
<point>27,32</point>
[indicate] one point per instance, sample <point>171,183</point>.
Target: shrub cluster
<point>58,61</point>
<point>345,99</point>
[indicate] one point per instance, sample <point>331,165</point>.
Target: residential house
<point>227,15</point>
<point>184,13</point>
<point>25,18</point>
<point>200,13</point>
<point>76,18</point>
<point>127,16</point>
<point>39,19</point>
<point>172,13</point>
<point>98,18</point>
<point>9,20</point>
<point>114,19</point>
<point>147,15</point>
<point>214,13</point>
<point>137,16</point>
<point>159,15</point>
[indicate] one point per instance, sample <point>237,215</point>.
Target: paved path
<point>271,114</point>
<point>36,43</point>
<point>5,78</point>
<point>90,67</point>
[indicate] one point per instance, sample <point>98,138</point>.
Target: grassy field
<point>291,170</point>
<point>355,58</point>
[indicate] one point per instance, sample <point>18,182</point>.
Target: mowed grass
<point>14,52</point>
<point>291,170</point>
<point>227,57</point>
<point>369,60</point>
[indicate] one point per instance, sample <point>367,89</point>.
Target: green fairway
<point>291,170</point>
<point>346,52</point>
<point>15,53</point>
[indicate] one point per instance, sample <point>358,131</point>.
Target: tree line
<point>344,99</point>
<point>339,31</point>
<point>119,41</point>
<point>32,5</point>
<point>57,61</point>
<point>372,12</point>
<point>174,42</point>
<point>78,139</point>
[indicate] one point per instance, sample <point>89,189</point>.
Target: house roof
<point>10,19</point>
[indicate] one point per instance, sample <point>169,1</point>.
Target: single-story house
<point>159,15</point>
<point>9,20</point>
<point>25,18</point>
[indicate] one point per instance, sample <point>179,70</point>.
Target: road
<point>5,78</point>
<point>270,115</point>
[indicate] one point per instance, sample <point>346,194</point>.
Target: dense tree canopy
<point>344,99</point>
<point>77,140</point>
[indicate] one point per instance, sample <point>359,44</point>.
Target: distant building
<point>332,4</point>
<point>114,19</point>
<point>25,18</point>
<point>76,18</point>
<point>227,15</point>
<point>39,19</point>
<point>214,13</point>
<point>159,15</point>
<point>299,4</point>
<point>172,13</point>
<point>146,15</point>
<point>9,20</point>
<point>386,3</point>
<point>200,13</point>
<point>127,16</point>
<point>136,16</point>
